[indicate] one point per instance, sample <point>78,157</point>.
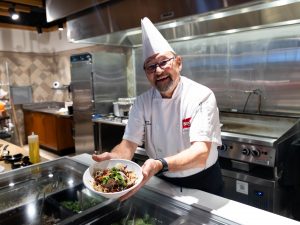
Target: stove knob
<point>223,147</point>
<point>255,152</point>
<point>245,150</point>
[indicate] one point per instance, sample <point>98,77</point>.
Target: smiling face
<point>163,72</point>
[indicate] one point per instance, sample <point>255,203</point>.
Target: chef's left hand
<point>149,169</point>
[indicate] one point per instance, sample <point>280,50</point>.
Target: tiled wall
<point>40,70</point>
<point>35,70</point>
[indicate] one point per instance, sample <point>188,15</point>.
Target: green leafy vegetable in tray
<point>146,220</point>
<point>76,207</point>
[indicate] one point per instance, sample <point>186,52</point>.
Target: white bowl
<point>88,179</point>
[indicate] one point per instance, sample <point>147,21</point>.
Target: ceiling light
<point>13,14</point>
<point>60,26</point>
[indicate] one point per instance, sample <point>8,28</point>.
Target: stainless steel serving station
<point>53,193</point>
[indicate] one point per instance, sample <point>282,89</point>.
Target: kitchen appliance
<point>252,158</point>
<point>52,193</point>
<point>122,107</point>
<point>97,80</point>
<point>83,105</point>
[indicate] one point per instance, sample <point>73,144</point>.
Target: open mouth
<point>162,79</point>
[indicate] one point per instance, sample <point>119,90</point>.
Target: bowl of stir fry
<point>112,178</point>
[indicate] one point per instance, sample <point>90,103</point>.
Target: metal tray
<point>22,186</point>
<point>43,211</point>
<point>17,194</point>
<point>150,206</point>
<point>137,212</point>
<point>37,198</point>
<point>51,209</point>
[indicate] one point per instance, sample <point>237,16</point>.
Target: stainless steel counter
<point>216,206</point>
<point>112,121</point>
<point>47,107</point>
<point>52,192</point>
<point>120,123</point>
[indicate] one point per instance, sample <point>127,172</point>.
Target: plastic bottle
<point>34,149</point>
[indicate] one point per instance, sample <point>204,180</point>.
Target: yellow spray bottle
<point>34,149</point>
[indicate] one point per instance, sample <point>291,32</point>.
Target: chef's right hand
<point>149,169</point>
<point>102,157</point>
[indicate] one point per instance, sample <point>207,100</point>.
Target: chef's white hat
<point>153,41</point>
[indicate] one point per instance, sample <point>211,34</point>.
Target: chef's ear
<point>178,61</point>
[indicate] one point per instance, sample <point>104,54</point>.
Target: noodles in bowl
<point>117,178</point>
<point>112,178</point>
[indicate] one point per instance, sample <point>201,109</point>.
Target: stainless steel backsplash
<point>243,69</point>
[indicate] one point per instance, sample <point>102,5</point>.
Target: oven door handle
<point>277,174</point>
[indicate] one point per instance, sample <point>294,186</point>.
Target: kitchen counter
<point>112,121</point>
<point>47,107</point>
<point>50,111</point>
<point>55,129</point>
<point>13,149</point>
<point>228,209</point>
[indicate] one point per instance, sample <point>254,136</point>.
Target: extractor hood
<point>96,26</point>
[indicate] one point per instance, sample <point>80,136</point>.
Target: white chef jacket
<point>169,125</point>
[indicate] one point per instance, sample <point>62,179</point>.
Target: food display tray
<point>53,193</point>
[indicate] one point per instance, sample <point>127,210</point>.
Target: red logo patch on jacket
<point>186,123</point>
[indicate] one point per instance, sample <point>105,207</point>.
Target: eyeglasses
<point>162,64</point>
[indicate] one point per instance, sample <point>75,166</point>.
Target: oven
<point>253,158</point>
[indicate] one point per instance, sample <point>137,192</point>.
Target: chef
<point>178,120</point>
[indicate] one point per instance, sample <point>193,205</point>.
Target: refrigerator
<point>97,80</point>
